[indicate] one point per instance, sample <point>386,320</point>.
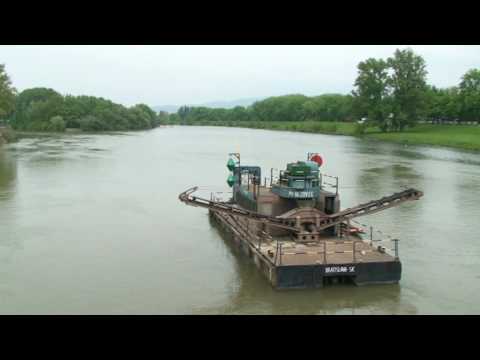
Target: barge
<point>294,230</point>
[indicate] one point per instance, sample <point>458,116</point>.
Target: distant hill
<point>213,104</point>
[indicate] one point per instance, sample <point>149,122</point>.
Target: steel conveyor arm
<point>187,198</point>
<point>323,222</point>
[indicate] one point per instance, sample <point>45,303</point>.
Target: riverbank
<point>7,135</point>
<point>10,135</point>
<point>465,137</point>
<point>59,197</point>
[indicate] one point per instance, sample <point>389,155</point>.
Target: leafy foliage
<point>7,94</point>
<point>442,104</point>
<point>372,93</point>
<point>393,93</point>
<point>42,109</point>
<point>280,108</point>
<point>328,107</point>
<point>470,95</point>
<point>408,85</point>
<point>57,124</point>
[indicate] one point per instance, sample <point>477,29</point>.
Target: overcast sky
<point>162,75</point>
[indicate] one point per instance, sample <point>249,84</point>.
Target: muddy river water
<point>91,224</point>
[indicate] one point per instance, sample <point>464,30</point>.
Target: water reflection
<point>8,175</point>
<point>102,210</point>
<point>416,152</point>
<point>254,294</point>
<point>53,151</point>
<point>9,244</point>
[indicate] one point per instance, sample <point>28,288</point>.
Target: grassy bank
<point>337,128</point>
<point>457,136</point>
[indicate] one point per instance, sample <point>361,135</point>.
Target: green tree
<point>174,119</point>
<point>280,108</point>
<point>91,123</point>
<point>57,124</point>
<point>409,88</point>
<point>148,116</point>
<point>313,108</point>
<point>162,117</point>
<point>42,109</point>
<point>183,112</point>
<point>371,95</point>
<point>35,107</point>
<point>470,95</point>
<point>328,107</point>
<point>7,94</point>
<point>442,104</point>
<point>239,113</point>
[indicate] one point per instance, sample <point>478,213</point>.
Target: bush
<point>7,135</point>
<point>359,129</point>
<point>331,128</point>
<point>57,124</point>
<point>91,123</point>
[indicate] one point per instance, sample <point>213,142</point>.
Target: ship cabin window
<point>299,184</point>
<point>329,204</point>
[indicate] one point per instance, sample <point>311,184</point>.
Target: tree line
<point>295,107</point>
<point>43,109</point>
<point>392,94</point>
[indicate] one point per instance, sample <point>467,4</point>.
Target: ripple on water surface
<point>92,224</point>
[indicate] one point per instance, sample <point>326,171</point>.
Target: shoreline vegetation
<point>390,101</point>
<point>7,135</point>
<point>37,111</point>
<point>465,137</point>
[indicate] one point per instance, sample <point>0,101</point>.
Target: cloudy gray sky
<point>161,75</point>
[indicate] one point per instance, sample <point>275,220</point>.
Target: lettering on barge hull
<point>300,194</point>
<point>333,270</point>
<point>292,193</point>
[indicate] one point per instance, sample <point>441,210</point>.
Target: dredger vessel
<point>294,229</point>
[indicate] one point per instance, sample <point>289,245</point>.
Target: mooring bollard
<point>276,253</point>
<point>396,248</point>
<point>354,249</point>
<point>280,254</point>
<point>325,252</point>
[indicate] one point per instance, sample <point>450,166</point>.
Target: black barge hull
<point>312,275</point>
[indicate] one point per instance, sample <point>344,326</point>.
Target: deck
<point>337,252</point>
<point>309,265</point>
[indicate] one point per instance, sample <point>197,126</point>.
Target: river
<point>92,224</point>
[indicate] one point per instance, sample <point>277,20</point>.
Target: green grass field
<point>304,126</point>
<point>456,136</point>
